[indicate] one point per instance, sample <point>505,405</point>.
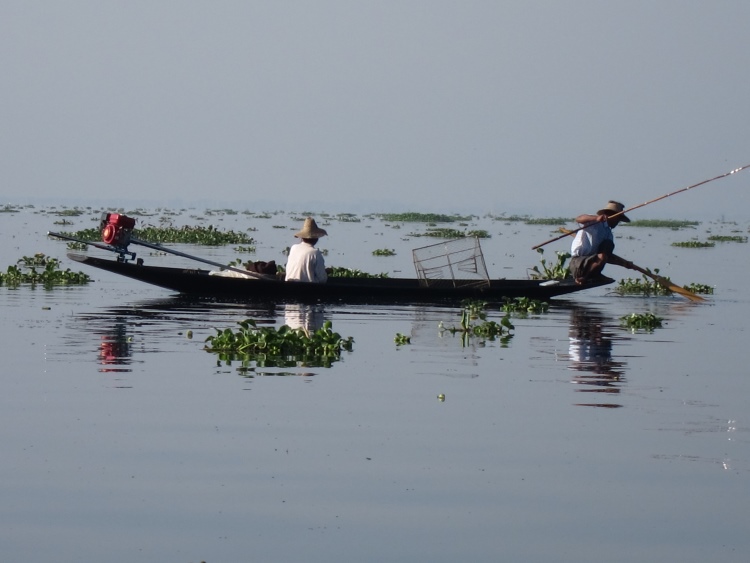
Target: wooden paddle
<point>664,282</point>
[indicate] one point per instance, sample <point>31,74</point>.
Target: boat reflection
<point>116,329</point>
<point>307,317</point>
<point>591,343</point>
<point>114,348</point>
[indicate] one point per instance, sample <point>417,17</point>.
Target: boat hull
<point>199,282</point>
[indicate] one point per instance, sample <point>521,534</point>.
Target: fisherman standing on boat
<point>305,262</point>
<point>594,245</point>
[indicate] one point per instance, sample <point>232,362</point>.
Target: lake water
<point>124,440</point>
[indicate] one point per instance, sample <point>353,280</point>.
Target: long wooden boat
<point>201,282</point>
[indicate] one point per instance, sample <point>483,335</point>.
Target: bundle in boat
<point>454,263</point>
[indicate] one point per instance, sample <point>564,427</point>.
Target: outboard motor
<point>116,229</point>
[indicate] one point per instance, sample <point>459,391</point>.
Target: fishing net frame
<point>454,263</point>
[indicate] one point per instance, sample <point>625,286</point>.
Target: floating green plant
<point>727,238</point>
<point>663,223</point>
<point>348,218</point>
<point>77,246</point>
<point>700,288</point>
<point>447,233</point>
<point>26,272</point>
<point>641,321</point>
<point>282,347</point>
<point>693,244</point>
<point>402,339</point>
<point>643,286</point>
<point>413,217</point>
<point>514,218</point>
<point>226,211</point>
<point>547,221</point>
<point>474,323</point>
<point>556,271</point>
<point>207,236</point>
<point>474,306</point>
<point>384,252</point>
<point>68,212</point>
<point>525,305</point>
<point>339,272</point>
<point>248,249</point>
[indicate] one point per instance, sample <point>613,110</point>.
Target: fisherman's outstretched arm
<point>618,261</point>
<point>586,218</point>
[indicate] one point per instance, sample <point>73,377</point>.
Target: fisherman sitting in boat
<point>305,262</point>
<point>594,244</point>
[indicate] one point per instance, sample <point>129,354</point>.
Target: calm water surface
<point>123,440</point>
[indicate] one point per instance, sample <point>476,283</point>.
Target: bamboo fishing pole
<point>645,203</point>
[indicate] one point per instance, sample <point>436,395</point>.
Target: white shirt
<point>587,240</point>
<point>306,264</point>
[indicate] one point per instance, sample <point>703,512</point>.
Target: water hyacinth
<point>474,323</point>
<point>282,347</point>
<point>26,272</point>
<point>524,305</point>
<point>199,235</point>
<point>447,233</point>
<point>644,286</point>
<point>727,238</point>
<point>556,271</point>
<point>401,339</point>
<point>547,221</point>
<point>693,244</point>
<point>414,217</point>
<point>663,224</point>
<point>700,288</point>
<point>340,272</point>
<point>384,252</point>
<point>641,321</point>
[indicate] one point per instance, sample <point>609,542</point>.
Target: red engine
<point>116,229</point>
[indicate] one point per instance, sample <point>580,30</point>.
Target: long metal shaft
<point>161,248</point>
<point>156,246</point>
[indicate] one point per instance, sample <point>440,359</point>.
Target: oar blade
<point>679,290</point>
<point>665,283</point>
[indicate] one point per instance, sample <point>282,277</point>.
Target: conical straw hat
<point>310,230</point>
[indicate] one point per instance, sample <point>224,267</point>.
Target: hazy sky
<point>548,107</point>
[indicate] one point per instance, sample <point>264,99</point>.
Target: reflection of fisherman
<point>305,262</point>
<point>307,317</point>
<point>591,349</point>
